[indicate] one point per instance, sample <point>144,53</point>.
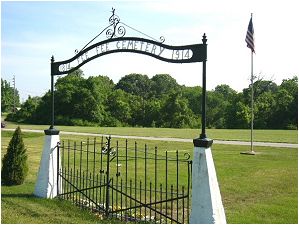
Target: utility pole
<point>14,93</point>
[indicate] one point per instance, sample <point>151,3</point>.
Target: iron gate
<point>126,182</point>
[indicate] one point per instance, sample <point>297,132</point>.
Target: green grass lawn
<point>255,189</point>
<point>19,205</point>
<point>284,136</point>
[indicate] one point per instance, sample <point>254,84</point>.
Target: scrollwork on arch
<point>116,30</point>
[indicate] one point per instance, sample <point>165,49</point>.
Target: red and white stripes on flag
<point>250,36</point>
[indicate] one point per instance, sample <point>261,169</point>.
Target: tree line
<point>137,100</point>
<point>9,97</point>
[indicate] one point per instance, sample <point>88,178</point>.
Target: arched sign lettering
<point>116,42</point>
<point>167,53</point>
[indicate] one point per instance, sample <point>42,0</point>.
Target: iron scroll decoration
<point>116,42</point>
<point>114,21</point>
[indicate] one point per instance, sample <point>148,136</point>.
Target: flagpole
<point>252,116</point>
<point>250,44</point>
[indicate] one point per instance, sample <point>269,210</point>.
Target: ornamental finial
<point>115,30</point>
<point>204,38</point>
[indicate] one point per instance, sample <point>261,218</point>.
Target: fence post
<point>108,178</point>
<point>58,168</point>
<point>207,205</point>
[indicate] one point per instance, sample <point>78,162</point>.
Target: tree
<point>163,84</point>
<point>219,103</point>
<point>136,84</point>
<point>14,163</point>
<point>263,110</point>
<point>66,89</point>
<point>238,116</point>
<point>217,107</point>
<point>285,113</point>
<point>119,107</point>
<point>100,88</point>
<point>264,102</point>
<point>81,101</point>
<point>42,114</point>
<point>137,106</point>
<point>152,113</point>
<point>160,101</point>
<point>27,111</point>
<point>7,96</point>
<point>193,95</point>
<point>175,112</point>
<point>259,87</point>
<point>226,92</point>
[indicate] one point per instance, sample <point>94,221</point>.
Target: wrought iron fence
<point>125,181</point>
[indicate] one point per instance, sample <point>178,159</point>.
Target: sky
<point>31,32</point>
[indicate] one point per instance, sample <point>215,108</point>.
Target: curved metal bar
<point>76,51</point>
<point>199,53</point>
<point>117,30</point>
<point>113,21</point>
<point>162,39</point>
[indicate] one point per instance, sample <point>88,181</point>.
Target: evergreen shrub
<point>14,163</point>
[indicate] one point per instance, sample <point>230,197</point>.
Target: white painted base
<point>46,184</point>
<point>207,205</point>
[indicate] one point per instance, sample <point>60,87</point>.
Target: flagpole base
<point>248,153</point>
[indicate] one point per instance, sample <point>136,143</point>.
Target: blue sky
<point>31,32</point>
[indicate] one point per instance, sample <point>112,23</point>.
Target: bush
<point>14,163</point>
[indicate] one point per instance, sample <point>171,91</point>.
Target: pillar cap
<point>51,131</point>
<point>202,142</point>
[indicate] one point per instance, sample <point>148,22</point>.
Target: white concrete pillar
<point>207,205</point>
<point>46,184</point>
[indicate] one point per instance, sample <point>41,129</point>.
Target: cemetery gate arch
<point>117,42</point>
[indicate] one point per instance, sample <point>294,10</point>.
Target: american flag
<point>250,36</point>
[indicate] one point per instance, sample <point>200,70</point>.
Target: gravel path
<point>268,144</point>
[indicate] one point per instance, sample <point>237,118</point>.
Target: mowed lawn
<point>280,136</point>
<point>18,205</point>
<point>255,189</point>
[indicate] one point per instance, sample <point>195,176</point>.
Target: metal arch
<point>199,53</point>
